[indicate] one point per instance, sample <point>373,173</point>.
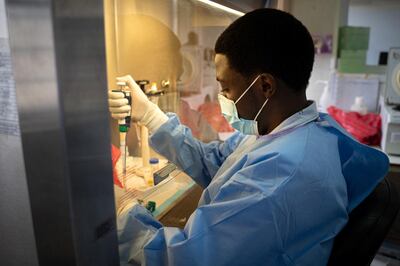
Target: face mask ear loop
<point>262,107</point>
<point>248,88</point>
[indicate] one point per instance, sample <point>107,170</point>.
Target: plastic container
<point>154,164</point>
<point>148,176</point>
<point>359,106</point>
<point>325,99</point>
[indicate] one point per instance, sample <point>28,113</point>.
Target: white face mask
<point>229,111</point>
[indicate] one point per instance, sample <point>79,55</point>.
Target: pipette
<point>123,127</point>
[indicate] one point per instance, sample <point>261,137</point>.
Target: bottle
<point>154,164</point>
<point>324,100</point>
<point>359,106</point>
<point>148,176</point>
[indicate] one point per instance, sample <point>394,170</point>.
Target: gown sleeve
<point>197,159</point>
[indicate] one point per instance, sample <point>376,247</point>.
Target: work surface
<point>176,198</point>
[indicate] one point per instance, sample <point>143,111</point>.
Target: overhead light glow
<point>222,7</point>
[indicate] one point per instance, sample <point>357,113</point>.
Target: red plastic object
<point>365,128</point>
<point>115,154</point>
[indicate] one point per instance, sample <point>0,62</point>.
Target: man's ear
<point>268,84</point>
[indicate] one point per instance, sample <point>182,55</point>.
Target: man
<point>280,189</point>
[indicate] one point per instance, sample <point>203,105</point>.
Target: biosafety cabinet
<point>58,59</point>
<point>168,48</point>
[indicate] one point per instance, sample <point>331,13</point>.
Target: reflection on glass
<point>169,43</point>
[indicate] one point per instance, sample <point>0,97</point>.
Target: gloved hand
<point>143,110</point>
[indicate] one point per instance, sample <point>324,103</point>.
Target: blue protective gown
<point>279,199</point>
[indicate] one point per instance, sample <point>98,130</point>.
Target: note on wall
<point>8,106</point>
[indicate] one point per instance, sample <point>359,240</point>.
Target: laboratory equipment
<point>325,99</point>
<point>143,169</point>
<point>390,129</point>
<point>390,111</point>
<point>123,127</point>
<point>392,92</point>
<point>148,176</point>
<point>154,163</point>
<point>144,139</point>
<point>151,206</point>
<point>55,165</point>
<point>359,106</point>
<point>163,173</point>
<point>142,84</point>
<point>344,88</point>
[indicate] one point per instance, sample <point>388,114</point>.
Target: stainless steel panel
<point>17,242</point>
<point>57,50</point>
<point>81,69</point>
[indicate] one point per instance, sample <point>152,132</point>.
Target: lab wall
<point>383,18</point>
<point>322,18</point>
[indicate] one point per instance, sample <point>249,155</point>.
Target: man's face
<point>233,84</point>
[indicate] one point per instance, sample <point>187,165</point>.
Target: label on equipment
<point>8,106</point>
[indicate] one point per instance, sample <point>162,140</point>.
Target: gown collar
<point>298,119</point>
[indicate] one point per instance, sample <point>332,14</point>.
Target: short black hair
<point>269,41</point>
